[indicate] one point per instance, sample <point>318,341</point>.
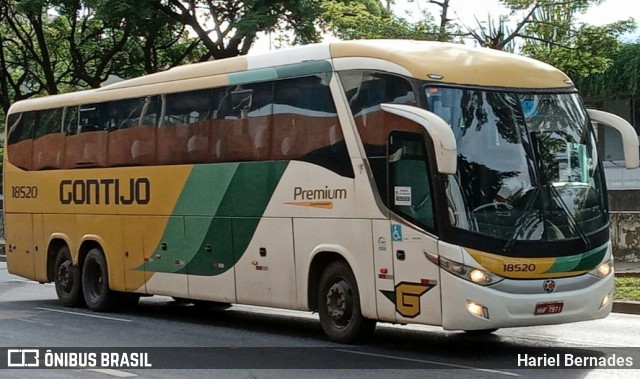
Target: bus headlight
<point>604,269</point>
<point>472,274</point>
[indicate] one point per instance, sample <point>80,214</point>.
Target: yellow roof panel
<point>456,63</point>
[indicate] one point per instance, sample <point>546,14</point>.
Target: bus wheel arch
<point>320,262</point>
<point>52,253</point>
<point>65,275</point>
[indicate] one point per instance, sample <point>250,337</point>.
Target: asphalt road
<point>253,342</point>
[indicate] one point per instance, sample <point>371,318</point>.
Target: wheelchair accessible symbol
<point>396,232</point>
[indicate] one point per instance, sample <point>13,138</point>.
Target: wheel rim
<point>95,280</point>
<point>339,301</point>
<point>64,277</point>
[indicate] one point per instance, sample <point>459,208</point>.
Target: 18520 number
<point>519,267</point>
<point>24,192</point>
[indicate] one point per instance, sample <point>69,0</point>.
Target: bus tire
<point>339,306</point>
<point>67,279</point>
<point>95,282</point>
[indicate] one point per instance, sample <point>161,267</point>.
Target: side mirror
<point>444,141</point>
<point>629,136</point>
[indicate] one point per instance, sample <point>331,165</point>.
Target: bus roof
<point>453,63</point>
<point>458,64</point>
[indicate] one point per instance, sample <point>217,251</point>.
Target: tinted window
<point>70,125</point>
<point>94,117</point>
<point>410,190</point>
<point>22,128</point>
<point>128,113</point>
<point>365,91</point>
<point>306,125</point>
<point>49,121</point>
<point>187,107</point>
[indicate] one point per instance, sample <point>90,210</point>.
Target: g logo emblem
<point>407,297</point>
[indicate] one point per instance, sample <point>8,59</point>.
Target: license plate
<point>549,308</point>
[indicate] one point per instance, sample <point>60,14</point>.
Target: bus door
<point>416,292</point>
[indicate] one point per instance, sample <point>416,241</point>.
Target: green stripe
<point>259,75</point>
<point>580,262</point>
<point>216,217</point>
<point>281,72</point>
<point>303,69</point>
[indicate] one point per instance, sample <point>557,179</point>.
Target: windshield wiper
<point>542,172</point>
<point>520,222</point>
<point>572,220</point>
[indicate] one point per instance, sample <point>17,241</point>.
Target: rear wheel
<point>339,306</point>
<point>95,282</point>
<point>67,279</point>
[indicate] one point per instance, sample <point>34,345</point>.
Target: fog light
<point>605,300</point>
<point>477,310</point>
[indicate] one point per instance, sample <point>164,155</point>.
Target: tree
<point>548,31</point>
<point>621,80</point>
<point>447,29</point>
<point>368,19</point>
<point>229,28</point>
<point>578,49</point>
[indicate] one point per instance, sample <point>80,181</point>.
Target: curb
<point>630,274</point>
<point>628,307</point>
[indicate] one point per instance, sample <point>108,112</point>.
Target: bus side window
<point>246,133</point>
<point>20,140</point>
<point>49,143</point>
<point>70,122</point>
<point>94,118</point>
<point>306,125</point>
<point>409,183</point>
<point>184,130</point>
<point>88,148</point>
<point>131,140</point>
<point>366,90</point>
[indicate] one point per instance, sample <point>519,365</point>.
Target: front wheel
<point>95,282</point>
<point>67,279</point>
<point>339,306</point>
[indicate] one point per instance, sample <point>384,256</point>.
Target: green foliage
<point>620,80</point>
<point>229,28</point>
<point>368,20</point>
<point>627,288</point>
<point>548,30</point>
<point>578,49</point>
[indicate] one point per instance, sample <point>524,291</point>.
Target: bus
<point>388,180</point>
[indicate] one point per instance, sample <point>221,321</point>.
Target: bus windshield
<point>527,165</point>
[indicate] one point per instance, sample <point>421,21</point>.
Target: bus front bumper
<point>469,306</point>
